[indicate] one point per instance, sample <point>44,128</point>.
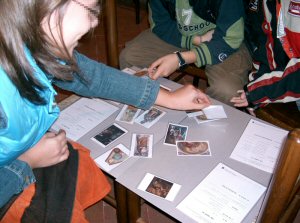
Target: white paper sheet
<point>259,145</point>
<point>82,116</point>
<point>224,196</point>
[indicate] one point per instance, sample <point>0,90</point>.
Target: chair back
<point>282,204</point>
<point>110,25</point>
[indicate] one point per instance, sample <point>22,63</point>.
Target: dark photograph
<point>159,187</point>
<point>110,134</point>
<point>175,133</point>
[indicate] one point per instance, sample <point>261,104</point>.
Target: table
<point>122,194</point>
<point>222,136</point>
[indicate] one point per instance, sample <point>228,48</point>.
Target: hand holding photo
<point>193,148</point>
<point>113,157</point>
<point>175,133</point>
<point>159,187</point>
<point>150,117</point>
<point>128,114</point>
<point>109,135</point>
<point>141,145</point>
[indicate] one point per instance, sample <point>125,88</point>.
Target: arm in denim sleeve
<point>106,82</point>
<point>163,24</point>
<point>14,178</point>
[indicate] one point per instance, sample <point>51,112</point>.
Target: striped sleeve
<point>276,86</point>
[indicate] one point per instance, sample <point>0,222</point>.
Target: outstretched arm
<point>110,83</point>
<point>186,98</point>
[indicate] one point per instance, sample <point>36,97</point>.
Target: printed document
<point>259,146</point>
<point>223,196</point>
<point>82,116</point>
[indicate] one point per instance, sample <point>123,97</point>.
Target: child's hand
<point>203,38</point>
<point>50,150</point>
<point>163,67</point>
<point>185,98</point>
<point>241,100</point>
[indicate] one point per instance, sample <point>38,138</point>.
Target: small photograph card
<point>211,113</point>
<point>214,112</point>
<point>109,135</point>
<point>194,113</point>
<point>201,118</point>
<point>113,158</point>
<point>193,148</point>
<point>141,145</point>
<point>150,117</point>
<point>159,187</point>
<point>128,114</point>
<point>142,72</point>
<point>175,133</point>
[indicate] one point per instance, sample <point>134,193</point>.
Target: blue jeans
<point>14,178</point>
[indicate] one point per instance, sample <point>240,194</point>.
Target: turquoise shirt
<point>100,81</point>
<point>23,123</point>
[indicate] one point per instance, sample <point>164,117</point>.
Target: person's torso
<point>188,22</point>
<point>22,122</point>
<point>267,32</point>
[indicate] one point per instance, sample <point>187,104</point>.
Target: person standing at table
<point>51,178</point>
<point>206,33</point>
<point>274,34</point>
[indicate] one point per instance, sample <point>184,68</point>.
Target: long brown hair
<point>20,27</point>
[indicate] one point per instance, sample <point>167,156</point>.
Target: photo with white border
<point>149,117</point>
<point>141,145</point>
<point>109,135</point>
<point>113,157</point>
<point>128,114</point>
<point>159,187</point>
<point>193,148</point>
<point>175,132</point>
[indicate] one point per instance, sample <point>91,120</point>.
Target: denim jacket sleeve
<point>14,178</point>
<point>106,82</point>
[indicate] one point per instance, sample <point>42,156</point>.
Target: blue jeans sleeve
<point>14,178</point>
<point>106,82</point>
